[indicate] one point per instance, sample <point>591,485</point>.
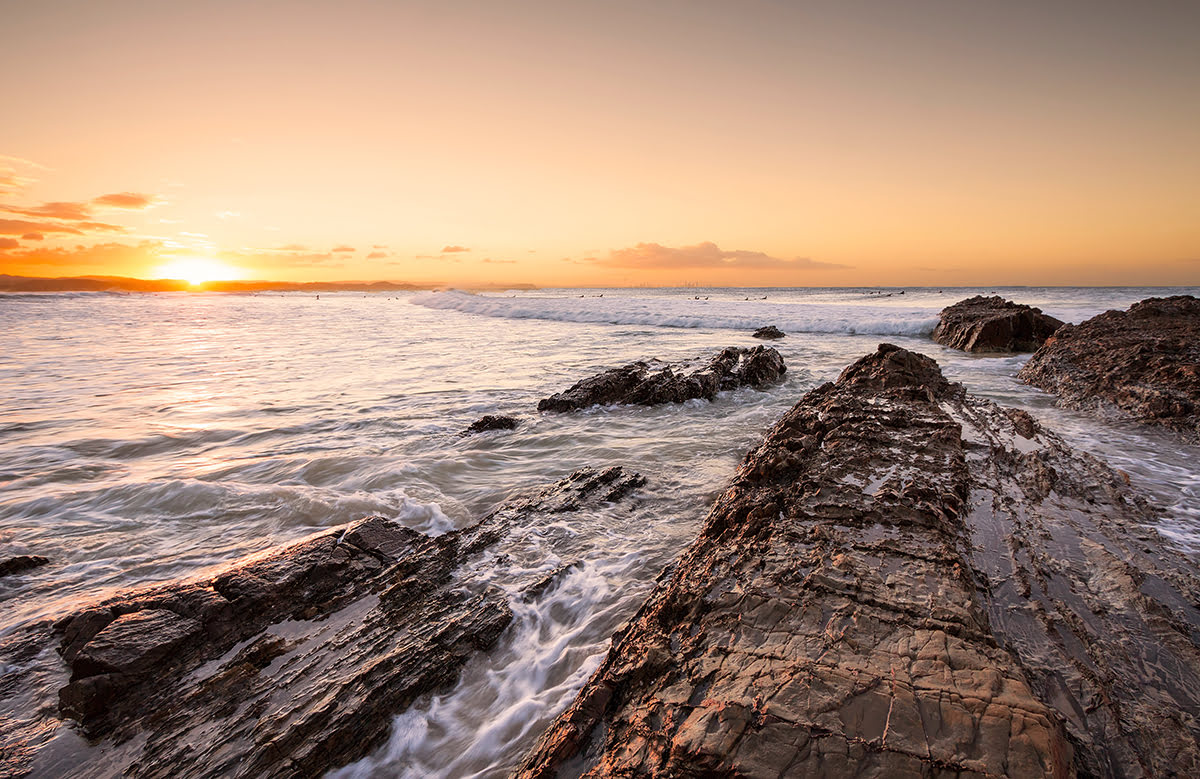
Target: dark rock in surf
<point>903,580</point>
<point>1144,362</point>
<point>770,332</point>
<point>635,384</point>
<point>293,662</point>
<point>21,563</point>
<point>492,422</point>
<point>983,324</point>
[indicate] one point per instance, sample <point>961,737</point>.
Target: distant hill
<point>125,284</point>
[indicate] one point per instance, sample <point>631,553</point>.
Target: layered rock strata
<point>993,324</point>
<point>904,580</point>
<point>637,384</point>
<point>293,662</point>
<point>1144,362</point>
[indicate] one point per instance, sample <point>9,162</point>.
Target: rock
<point>21,563</point>
<point>903,580</point>
<point>635,384</point>
<point>293,662</point>
<point>1144,361</point>
<point>770,332</point>
<point>492,422</point>
<point>983,324</point>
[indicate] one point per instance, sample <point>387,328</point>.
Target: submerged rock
<point>1144,361</point>
<point>770,332</point>
<point>983,324</point>
<point>492,422</point>
<point>21,563</point>
<point>903,580</point>
<point>294,661</point>
<point>635,384</point>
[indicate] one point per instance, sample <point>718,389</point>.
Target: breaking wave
<point>816,317</point>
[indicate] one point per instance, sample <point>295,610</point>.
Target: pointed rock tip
<point>891,366</point>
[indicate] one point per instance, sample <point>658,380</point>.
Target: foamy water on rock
<point>146,438</point>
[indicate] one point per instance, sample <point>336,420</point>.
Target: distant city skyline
<point>759,143</point>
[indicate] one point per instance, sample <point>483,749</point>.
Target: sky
<point>749,143</point>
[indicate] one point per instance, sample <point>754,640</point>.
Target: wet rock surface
<point>292,662</point>
<point>492,422</point>
<point>21,564</point>
<point>904,580</point>
<point>637,384</point>
<point>1144,362</point>
<point>993,324</point>
<point>770,332</point>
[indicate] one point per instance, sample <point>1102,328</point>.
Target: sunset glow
<point>196,271</point>
<point>580,143</point>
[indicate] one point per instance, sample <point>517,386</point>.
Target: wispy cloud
<point>130,200</point>
<point>703,255</point>
<point>454,249</point>
<point>343,248</point>
<point>22,226</point>
<point>9,243</point>
<point>377,255</point>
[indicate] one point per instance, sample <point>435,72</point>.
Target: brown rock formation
<point>634,383</point>
<point>770,332</point>
<point>983,324</point>
<point>492,422</point>
<point>294,661</point>
<point>21,563</point>
<point>903,580</point>
<point>1144,361</point>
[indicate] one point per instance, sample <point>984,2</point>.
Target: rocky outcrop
<point>21,563</point>
<point>983,324</point>
<point>1144,362</point>
<point>492,422</point>
<point>770,332</point>
<point>294,661</point>
<point>903,580</point>
<point>636,384</point>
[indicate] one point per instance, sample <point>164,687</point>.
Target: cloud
<point>454,249</point>
<point>21,226</point>
<point>703,255</point>
<point>9,243</point>
<point>11,181</point>
<point>343,248</point>
<point>32,237</point>
<point>290,247</point>
<point>376,255</point>
<point>103,256</point>
<point>295,257</point>
<point>71,211</point>
<point>499,262</point>
<point>380,246</point>
<point>126,200</point>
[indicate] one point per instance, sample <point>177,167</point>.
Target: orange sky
<point>760,142</point>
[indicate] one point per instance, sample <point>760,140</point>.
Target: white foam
<point>791,317</point>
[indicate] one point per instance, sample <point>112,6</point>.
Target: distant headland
<point>127,284</point>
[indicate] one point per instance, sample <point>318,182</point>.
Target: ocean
<point>151,437</point>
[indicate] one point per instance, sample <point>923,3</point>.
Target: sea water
<point>146,438</point>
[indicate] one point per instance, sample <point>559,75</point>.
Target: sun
<point>197,270</point>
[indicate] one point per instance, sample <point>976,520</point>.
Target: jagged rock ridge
<point>635,384</point>
<point>293,662</point>
<point>993,324</point>
<point>903,580</point>
<point>1144,361</point>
